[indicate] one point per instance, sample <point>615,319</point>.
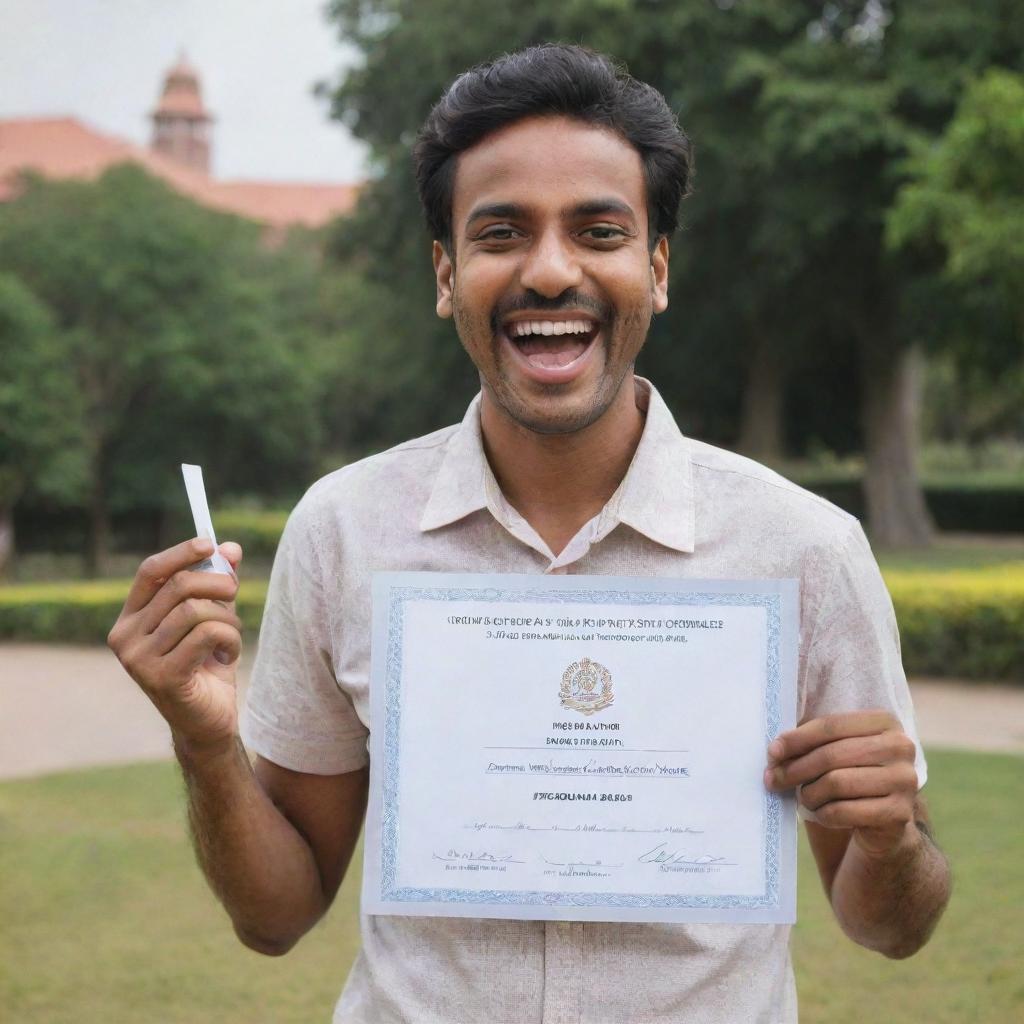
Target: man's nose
<point>551,266</point>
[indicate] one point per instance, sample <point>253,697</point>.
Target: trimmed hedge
<point>257,532</point>
<point>84,612</point>
<point>65,531</point>
<point>982,504</point>
<point>968,624</point>
<point>965,507</point>
<point>963,624</point>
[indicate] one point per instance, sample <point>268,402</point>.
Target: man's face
<point>552,286</point>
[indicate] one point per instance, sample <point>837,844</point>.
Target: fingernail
<point>768,776</point>
<point>775,750</point>
<point>222,656</point>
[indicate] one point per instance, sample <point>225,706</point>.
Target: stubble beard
<point>503,391</point>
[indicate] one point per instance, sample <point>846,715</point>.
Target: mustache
<point>601,311</point>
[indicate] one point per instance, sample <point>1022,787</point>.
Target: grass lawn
<point>952,552</point>
<point>106,918</point>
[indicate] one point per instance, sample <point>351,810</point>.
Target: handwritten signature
<point>477,856</point>
<point>579,864</point>
<point>660,854</point>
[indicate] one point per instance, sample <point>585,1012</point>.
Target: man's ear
<point>659,275</point>
<point>444,272</point>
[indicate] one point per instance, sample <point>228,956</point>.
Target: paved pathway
<point>71,707</point>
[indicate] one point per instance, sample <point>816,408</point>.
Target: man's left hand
<point>854,771</point>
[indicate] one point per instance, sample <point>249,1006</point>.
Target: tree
<point>179,332</point>
<point>964,204</point>
<point>803,115</point>
<point>39,411</point>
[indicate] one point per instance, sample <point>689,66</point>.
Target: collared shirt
<point>683,509</point>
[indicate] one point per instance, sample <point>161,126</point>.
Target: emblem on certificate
<point>586,687</point>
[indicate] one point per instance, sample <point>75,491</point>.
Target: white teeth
<point>549,327</point>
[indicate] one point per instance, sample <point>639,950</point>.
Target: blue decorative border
<point>771,810</point>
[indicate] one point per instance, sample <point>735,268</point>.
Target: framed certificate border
<point>391,594</point>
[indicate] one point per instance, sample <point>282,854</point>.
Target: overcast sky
<point>103,61</point>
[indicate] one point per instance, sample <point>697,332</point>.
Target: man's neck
<point>557,482</point>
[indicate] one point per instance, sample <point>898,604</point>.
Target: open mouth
<point>552,345</point>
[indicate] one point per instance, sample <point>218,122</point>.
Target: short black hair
<point>553,79</point>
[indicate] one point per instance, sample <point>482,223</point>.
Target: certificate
<point>580,748</point>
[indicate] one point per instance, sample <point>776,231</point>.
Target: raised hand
<point>179,638</point>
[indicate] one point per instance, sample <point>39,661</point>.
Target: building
<point>179,153</point>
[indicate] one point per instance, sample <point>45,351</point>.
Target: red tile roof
<point>63,147</point>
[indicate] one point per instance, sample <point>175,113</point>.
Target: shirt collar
<point>460,487</point>
<point>655,497</point>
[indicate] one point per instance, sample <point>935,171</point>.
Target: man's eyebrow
<point>594,207</point>
<point>513,211</point>
<point>506,211</point>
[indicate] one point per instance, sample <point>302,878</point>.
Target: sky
<point>103,62</point>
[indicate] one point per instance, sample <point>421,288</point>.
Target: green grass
<point>106,918</point>
<point>970,972</point>
<point>951,554</point>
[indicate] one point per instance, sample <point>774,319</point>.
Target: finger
<point>157,569</point>
<point>185,616</point>
<point>198,644</point>
<point>871,812</point>
<point>858,752</point>
<point>183,586</point>
<point>858,783</point>
<point>819,731</point>
<point>232,552</point>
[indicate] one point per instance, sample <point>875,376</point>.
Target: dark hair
<point>555,79</point>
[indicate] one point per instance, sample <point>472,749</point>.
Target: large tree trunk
<point>897,514</point>
<point>761,415</point>
<point>98,552</point>
<point>6,540</point>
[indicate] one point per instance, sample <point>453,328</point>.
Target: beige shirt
<point>685,510</point>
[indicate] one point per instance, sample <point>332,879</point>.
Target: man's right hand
<point>179,638</point>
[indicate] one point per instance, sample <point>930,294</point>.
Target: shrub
<point>84,612</point>
<point>966,506</point>
<point>965,624</point>
<point>257,532</point>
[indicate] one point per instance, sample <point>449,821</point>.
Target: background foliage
<point>855,233</point>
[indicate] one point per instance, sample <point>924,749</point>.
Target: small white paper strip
<point>201,514</point>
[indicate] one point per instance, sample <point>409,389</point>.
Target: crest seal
<point>586,687</point>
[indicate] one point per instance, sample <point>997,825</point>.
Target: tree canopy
<point>782,284</point>
<point>167,333</point>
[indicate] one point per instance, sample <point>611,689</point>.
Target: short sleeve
<point>295,713</point>
<point>853,660</point>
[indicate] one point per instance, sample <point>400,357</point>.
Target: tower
<point>180,121</point>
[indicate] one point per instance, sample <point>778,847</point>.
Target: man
<point>551,183</point>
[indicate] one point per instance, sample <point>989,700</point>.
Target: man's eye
<point>498,235</point>
<point>605,233</point>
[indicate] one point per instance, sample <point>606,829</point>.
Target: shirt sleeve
<point>295,713</point>
<point>853,660</point>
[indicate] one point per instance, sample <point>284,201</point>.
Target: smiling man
<point>551,182</point>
